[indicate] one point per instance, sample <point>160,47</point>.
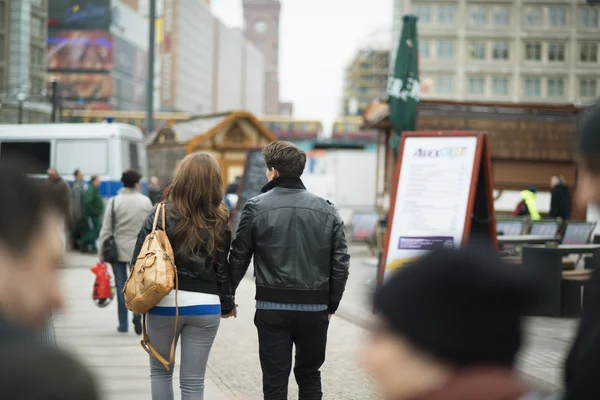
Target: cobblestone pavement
<point>233,370</point>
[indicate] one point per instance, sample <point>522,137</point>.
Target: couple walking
<point>301,266</point>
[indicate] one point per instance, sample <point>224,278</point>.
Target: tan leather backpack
<point>153,277</point>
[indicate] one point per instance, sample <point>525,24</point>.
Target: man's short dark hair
<point>130,178</point>
<point>286,158</point>
<point>93,178</point>
<point>76,172</point>
<point>23,206</point>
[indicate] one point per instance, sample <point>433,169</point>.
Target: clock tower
<point>262,29</point>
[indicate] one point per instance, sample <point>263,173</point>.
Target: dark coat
<point>299,246</point>
<point>480,384</point>
<point>560,202</point>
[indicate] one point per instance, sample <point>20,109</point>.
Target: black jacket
<point>582,367</point>
<point>199,272</point>
<point>299,246</point>
<point>560,202</point>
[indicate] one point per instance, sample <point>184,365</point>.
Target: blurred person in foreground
<point>78,189</point>
<point>93,208</point>
<point>582,368</point>
<point>30,252</point>
<point>59,193</point>
<point>131,208</point>
<point>301,265</point>
<point>450,326</point>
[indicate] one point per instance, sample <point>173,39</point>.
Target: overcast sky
<point>318,38</point>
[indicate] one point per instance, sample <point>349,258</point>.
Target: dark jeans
<point>91,231</point>
<point>278,332</point>
<point>121,270</point>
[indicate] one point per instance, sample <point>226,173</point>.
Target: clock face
<point>260,26</point>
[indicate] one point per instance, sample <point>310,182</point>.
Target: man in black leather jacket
<point>301,264</point>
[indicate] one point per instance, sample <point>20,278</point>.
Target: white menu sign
<point>432,197</point>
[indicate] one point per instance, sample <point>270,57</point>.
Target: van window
<point>91,156</point>
<point>134,158</point>
<point>37,152</point>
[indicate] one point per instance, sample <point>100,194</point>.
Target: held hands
<point>233,313</point>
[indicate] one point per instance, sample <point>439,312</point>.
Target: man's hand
<point>233,313</point>
<point>329,316</point>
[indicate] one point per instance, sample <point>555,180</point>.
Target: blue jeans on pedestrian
<point>121,270</point>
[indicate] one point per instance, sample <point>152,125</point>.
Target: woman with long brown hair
<point>197,227</point>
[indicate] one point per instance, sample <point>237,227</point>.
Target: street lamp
<point>21,99</point>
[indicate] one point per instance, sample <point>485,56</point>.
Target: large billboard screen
<point>80,14</point>
<point>85,87</point>
<point>79,51</point>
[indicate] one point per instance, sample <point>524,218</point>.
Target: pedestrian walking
<point>155,191</point>
<point>31,227</point>
<point>93,208</point>
<point>125,212</point>
<point>450,326</point>
<point>582,367</point>
<point>528,206</point>
<point>197,228</point>
<point>78,189</point>
<point>301,264</point>
<point>560,200</point>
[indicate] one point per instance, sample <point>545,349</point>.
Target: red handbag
<point>102,292</point>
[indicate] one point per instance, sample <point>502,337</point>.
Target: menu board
<point>252,182</point>
<point>433,195</point>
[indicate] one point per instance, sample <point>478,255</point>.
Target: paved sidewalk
<point>233,370</point>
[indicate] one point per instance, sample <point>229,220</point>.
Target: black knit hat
<point>464,307</point>
<point>588,131</point>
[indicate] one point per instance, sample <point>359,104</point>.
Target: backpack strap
<point>146,345</point>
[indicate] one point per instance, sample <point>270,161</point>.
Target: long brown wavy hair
<point>195,197</point>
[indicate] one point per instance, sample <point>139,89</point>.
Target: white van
<point>104,149</point>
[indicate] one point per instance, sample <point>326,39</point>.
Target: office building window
<point>443,85</point>
<point>479,15</point>
<point>588,87</point>
<point>589,17</point>
<point>476,85</point>
<point>445,49</point>
<point>446,14</point>
<point>588,53</point>
<point>500,51</point>
<point>556,87</point>
<point>534,16</point>
<point>556,52</point>
<point>36,56</point>
<point>424,49</point>
<point>502,16</point>
<point>500,86</point>
<point>533,51</point>
<point>557,16</point>
<point>423,11</point>
<point>532,87</point>
<point>37,27</point>
<point>477,50</point>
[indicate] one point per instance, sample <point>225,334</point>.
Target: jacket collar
<point>284,182</point>
<point>125,190</point>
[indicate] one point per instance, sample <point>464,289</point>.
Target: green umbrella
<point>404,88</point>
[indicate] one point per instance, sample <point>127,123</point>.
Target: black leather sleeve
<point>339,266</point>
<point>145,231</point>
<point>224,278</point>
<point>242,247</point>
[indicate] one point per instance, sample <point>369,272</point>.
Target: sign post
<point>442,196</point>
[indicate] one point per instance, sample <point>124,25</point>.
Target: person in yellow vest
<point>528,204</point>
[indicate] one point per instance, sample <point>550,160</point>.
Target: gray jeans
<point>197,334</point>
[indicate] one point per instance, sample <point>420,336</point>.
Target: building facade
<point>261,27</point>
<point>365,79</point>
<point>519,51</point>
<point>207,67</point>
<point>22,60</point>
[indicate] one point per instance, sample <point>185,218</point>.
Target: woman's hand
<point>233,313</point>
